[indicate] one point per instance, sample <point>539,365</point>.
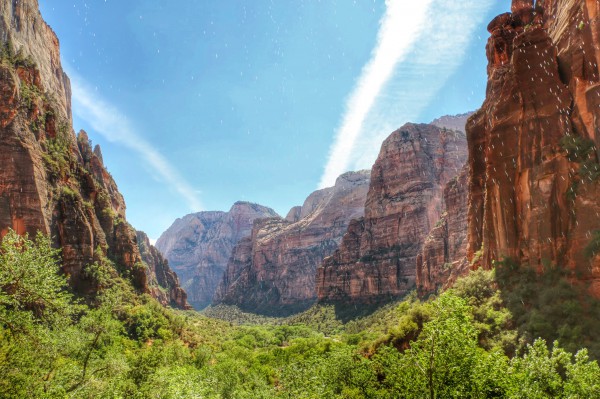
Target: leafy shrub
<point>593,247</point>
<point>550,306</point>
<point>578,149</point>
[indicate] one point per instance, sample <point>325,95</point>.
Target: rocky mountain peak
<point>199,245</point>
<point>273,270</point>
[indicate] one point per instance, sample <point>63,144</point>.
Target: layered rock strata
<point>376,260</point>
<point>443,257</point>
<point>163,282</point>
<point>50,180</point>
<point>534,194</point>
<point>198,246</point>
<point>273,271</point>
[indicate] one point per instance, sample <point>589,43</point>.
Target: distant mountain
<point>199,245</point>
<point>273,270</point>
<point>452,122</point>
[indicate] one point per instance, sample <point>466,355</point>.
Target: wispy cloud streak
<point>399,28</point>
<point>106,120</point>
<point>417,67</point>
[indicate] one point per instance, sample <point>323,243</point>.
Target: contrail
<point>398,30</point>
<point>428,59</point>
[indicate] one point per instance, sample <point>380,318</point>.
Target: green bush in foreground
<point>127,346</point>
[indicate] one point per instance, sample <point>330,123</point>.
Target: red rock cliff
<point>50,180</point>
<point>534,191</point>
<point>273,270</point>
<point>376,260</point>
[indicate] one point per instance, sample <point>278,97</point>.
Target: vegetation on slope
<point>125,345</point>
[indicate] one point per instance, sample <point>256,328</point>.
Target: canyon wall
<point>198,246</point>
<point>443,256</point>
<point>273,270</point>
<point>534,194</point>
<point>376,260</point>
<point>163,282</point>
<point>51,180</point>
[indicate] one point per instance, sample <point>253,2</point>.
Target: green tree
<point>443,361</point>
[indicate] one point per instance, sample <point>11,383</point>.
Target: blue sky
<point>198,104</point>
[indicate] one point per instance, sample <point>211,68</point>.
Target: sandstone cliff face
<point>443,257</point>
<point>534,191</point>
<point>199,245</point>
<point>22,25</point>
<point>376,260</point>
<point>163,282</point>
<point>273,270</point>
<point>50,180</point>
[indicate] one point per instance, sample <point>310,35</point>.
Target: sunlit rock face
<point>533,189</point>
<point>51,181</point>
<point>377,258</point>
<point>273,270</point>
<point>198,246</point>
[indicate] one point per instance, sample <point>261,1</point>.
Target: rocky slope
<point>376,260</point>
<point>163,282</point>
<point>534,194</point>
<point>198,246</point>
<point>443,256</point>
<point>50,180</point>
<point>273,270</point>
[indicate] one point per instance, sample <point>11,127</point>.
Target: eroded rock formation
<point>163,282</point>
<point>443,257</point>
<point>273,270</point>
<point>50,180</point>
<point>198,246</point>
<point>376,260</point>
<point>534,191</point>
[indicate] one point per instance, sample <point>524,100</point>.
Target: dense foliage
<point>124,345</point>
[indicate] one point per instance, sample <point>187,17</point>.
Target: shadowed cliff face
<point>376,260</point>
<point>199,245</point>
<point>273,270</point>
<point>50,180</point>
<point>533,192</point>
<point>163,282</point>
<point>442,258</point>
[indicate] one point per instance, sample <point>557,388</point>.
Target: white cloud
<point>106,120</point>
<point>409,65</point>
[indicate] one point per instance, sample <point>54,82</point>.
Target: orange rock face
<point>50,180</point>
<point>534,192</point>
<point>273,270</point>
<point>376,260</point>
